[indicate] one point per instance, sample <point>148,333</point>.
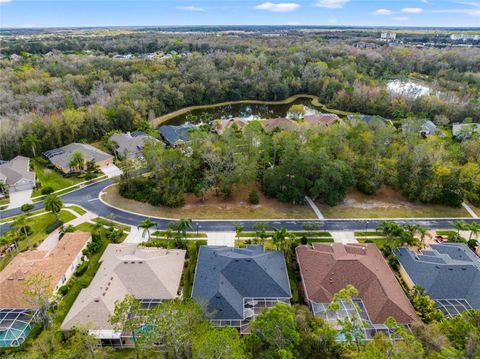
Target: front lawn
<point>50,178</point>
<point>387,203</point>
<point>379,241</point>
<point>214,207</point>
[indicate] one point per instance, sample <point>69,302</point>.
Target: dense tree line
<point>63,97</point>
<point>323,163</point>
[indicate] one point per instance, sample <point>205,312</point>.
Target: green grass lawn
<point>51,178</point>
<point>78,209</point>
<point>108,223</point>
<point>379,241</point>
<point>189,234</point>
<point>37,226</point>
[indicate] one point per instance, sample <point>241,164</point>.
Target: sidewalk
<point>344,237</point>
<point>221,239</point>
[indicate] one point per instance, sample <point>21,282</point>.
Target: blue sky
<point>69,13</point>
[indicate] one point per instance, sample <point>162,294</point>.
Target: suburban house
<point>325,269</point>
<point>17,314</point>
<point>449,273</point>
<point>130,145</point>
<point>151,275</point>
<point>368,119</point>
<point>176,135</point>
<point>238,283</point>
<point>61,157</point>
<point>326,119</point>
<point>424,127</point>
<point>17,175</point>
<point>465,130</point>
<point>281,123</point>
<point>222,125</point>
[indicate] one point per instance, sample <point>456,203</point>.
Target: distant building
<point>151,275</point>
<point>176,135</point>
<point>17,175</point>
<point>222,125</point>
<point>423,127</point>
<point>61,157</point>
<point>326,119</point>
<point>17,314</point>
<point>464,37</point>
<point>465,130</point>
<point>325,269</point>
<point>237,284</point>
<point>364,45</point>
<point>368,119</point>
<point>388,36</point>
<point>130,144</point>
<point>449,273</point>
<point>280,123</point>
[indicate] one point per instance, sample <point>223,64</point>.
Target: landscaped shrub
<point>53,226</point>
<point>47,190</point>
<point>63,290</point>
<point>27,207</point>
<point>82,268</point>
<point>95,245</point>
<point>89,176</point>
<point>253,197</point>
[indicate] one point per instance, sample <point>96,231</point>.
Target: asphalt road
<point>87,197</point>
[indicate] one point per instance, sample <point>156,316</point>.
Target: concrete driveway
<point>19,198</point>
<point>111,171</point>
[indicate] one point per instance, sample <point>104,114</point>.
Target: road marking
<point>93,199</point>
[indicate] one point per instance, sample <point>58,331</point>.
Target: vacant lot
<point>214,207</point>
<point>387,203</point>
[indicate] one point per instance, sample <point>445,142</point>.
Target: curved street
<point>88,198</point>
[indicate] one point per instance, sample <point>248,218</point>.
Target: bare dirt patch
<point>214,207</point>
<point>387,203</point>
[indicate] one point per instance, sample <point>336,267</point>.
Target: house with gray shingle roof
<point>61,157</point>
<point>449,272</point>
<point>238,283</point>
<point>424,127</point>
<point>130,144</point>
<point>355,119</point>
<point>17,175</point>
<point>465,130</point>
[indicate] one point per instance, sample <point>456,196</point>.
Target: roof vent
<point>96,300</point>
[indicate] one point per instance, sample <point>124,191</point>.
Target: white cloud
<point>474,12</point>
<point>278,7</point>
<point>332,20</point>
<point>4,1</point>
<point>400,18</point>
<point>188,8</point>
<point>412,10</point>
<point>331,4</point>
<point>425,1</point>
<point>383,12</point>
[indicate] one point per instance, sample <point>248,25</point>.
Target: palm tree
<point>32,141</point>
<point>460,226</point>
<point>168,234</point>
<point>423,232</point>
<point>279,236</point>
<point>20,224</point>
<point>183,225</point>
<point>53,204</point>
<point>77,160</point>
<point>146,224</point>
<point>239,229</point>
<point>474,229</point>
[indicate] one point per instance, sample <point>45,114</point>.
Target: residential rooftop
<point>229,278</point>
<point>54,263</point>
<point>17,171</point>
<point>326,119</point>
<point>62,156</point>
<point>328,268</point>
<point>176,135</point>
<point>146,273</point>
<point>447,271</point>
<point>131,144</point>
<point>281,123</point>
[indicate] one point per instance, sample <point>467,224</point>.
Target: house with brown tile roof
<point>326,119</point>
<point>222,125</point>
<point>325,269</point>
<point>149,274</point>
<point>281,123</point>
<point>58,264</point>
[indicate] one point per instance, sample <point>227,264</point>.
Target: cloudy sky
<point>58,13</point>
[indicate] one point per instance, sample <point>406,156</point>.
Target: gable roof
<point>16,170</point>
<point>365,118</point>
<point>423,126</point>
<point>446,271</point>
<point>222,125</point>
<point>54,263</point>
<point>327,268</point>
<point>465,129</point>
<point>175,135</point>
<point>282,123</point>
<point>131,144</point>
<point>61,156</point>
<point>145,273</point>
<point>226,275</point>
<point>321,119</point>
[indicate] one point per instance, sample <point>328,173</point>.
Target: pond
<point>250,111</point>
